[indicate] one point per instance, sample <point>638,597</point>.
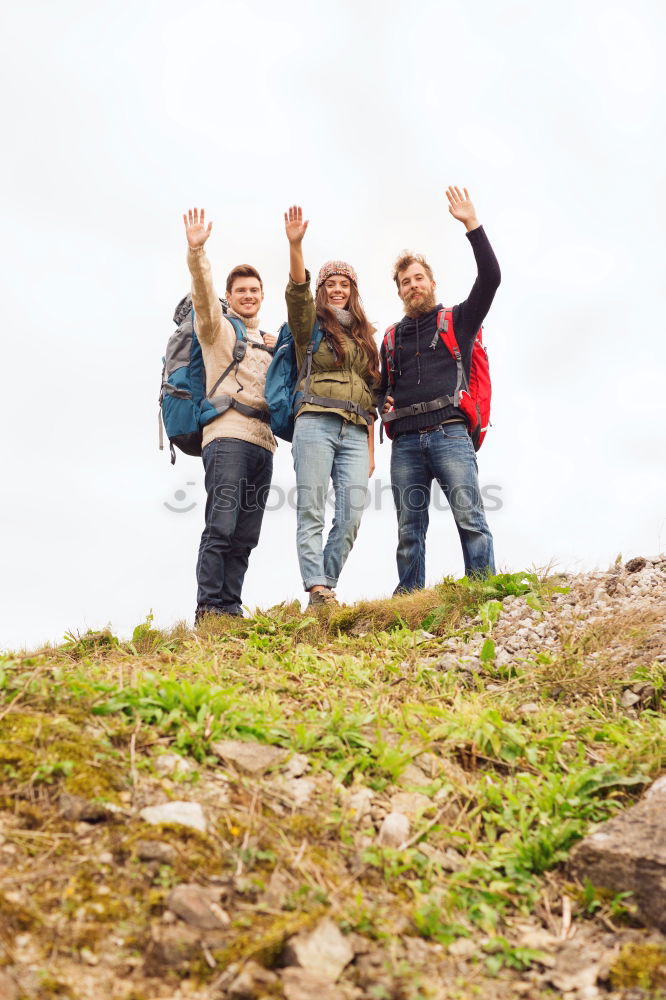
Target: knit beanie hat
<point>332,267</point>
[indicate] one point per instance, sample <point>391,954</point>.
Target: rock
<point>629,698</point>
<point>448,860</point>
<point>77,809</point>
<point>251,983</point>
<point>636,565</point>
<point>156,850</point>
<point>421,636</point>
<point>172,946</point>
<point>198,907</point>
<point>575,968</point>
<point>359,803</point>
<point>184,813</point>
<point>324,952</point>
<point>8,987</point>
<point>296,766</point>
<point>463,948</point>
<point>248,758</point>
<point>299,984</point>
<point>299,790</point>
<point>173,763</point>
<point>411,804</point>
<point>628,854</point>
<point>529,708</point>
<point>394,831</point>
<point>277,890</point>
<point>413,776</point>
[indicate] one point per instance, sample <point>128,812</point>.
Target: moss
<point>58,752</point>
<point>641,965</point>
<point>263,942</point>
<point>17,917</point>
<point>49,986</point>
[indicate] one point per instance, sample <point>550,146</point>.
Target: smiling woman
<point>334,429</point>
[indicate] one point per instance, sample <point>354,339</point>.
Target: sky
<point>118,118</point>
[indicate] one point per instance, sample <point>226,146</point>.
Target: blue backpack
<point>185,407</point>
<point>283,378</point>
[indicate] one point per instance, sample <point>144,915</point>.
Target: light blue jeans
<point>325,449</point>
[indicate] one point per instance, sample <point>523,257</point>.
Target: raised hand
<point>461,207</point>
<point>196,230</point>
<point>294,226</point>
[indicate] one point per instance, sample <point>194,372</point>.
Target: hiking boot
<point>211,609</point>
<point>319,598</point>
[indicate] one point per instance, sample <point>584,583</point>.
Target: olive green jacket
<point>350,380</point>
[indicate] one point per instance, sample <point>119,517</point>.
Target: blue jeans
<point>447,455</point>
<point>328,448</point>
<point>238,479</point>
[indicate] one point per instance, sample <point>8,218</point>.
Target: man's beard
<point>420,304</point>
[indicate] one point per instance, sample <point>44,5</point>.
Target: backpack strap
<point>389,350</point>
<point>446,332</point>
<point>239,351</point>
<point>225,402</point>
<point>308,397</point>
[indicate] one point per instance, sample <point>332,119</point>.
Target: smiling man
<point>238,445</point>
<point>422,379</point>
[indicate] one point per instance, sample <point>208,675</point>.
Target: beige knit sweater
<point>217,338</point>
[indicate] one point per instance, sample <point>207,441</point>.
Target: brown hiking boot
<point>320,598</point>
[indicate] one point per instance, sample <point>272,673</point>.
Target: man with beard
<point>432,441</point>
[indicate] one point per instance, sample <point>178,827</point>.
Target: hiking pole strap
<point>417,408</point>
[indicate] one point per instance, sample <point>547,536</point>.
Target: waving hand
<point>195,229</point>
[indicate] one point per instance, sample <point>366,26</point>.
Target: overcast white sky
<point>118,117</point>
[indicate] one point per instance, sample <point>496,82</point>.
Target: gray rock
<point>324,952</point>
<point>156,850</point>
<point>279,886</point>
<point>628,854</point>
<point>172,946</point>
<point>413,776</point>
<point>360,803</point>
<point>575,968</point>
<point>248,758</point>
<point>296,766</point>
<point>394,831</point>
<point>173,763</point>
<point>77,809</point>
<point>251,983</point>
<point>629,698</point>
<point>184,813</point>
<point>411,804</point>
<point>299,790</point>
<point>198,907</point>
<point>448,860</point>
<point>300,984</point>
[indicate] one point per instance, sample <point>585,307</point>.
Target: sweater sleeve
<point>301,310</point>
<point>207,308</point>
<point>471,313</point>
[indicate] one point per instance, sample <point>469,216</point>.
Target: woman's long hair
<point>361,330</point>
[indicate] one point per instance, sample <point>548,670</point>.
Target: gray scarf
<point>343,316</point>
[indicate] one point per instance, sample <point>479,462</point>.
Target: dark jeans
<point>238,478</point>
<point>447,455</point>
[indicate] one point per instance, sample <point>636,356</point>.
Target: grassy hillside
<point>501,720</point>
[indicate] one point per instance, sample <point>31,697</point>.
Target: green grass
<point>359,691</point>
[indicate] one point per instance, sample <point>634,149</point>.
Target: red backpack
<point>473,399</point>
